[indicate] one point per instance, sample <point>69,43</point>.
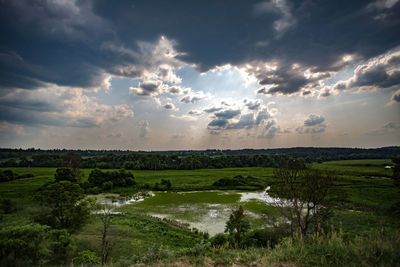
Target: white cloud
<point>378,73</point>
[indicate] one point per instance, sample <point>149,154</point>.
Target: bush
<point>93,190</point>
<point>61,245</point>
<point>107,185</point>
<point>269,237</point>
<point>239,182</point>
<point>87,257</point>
<point>219,240</point>
<point>65,174</point>
<point>118,178</point>
<point>7,206</point>
<point>23,245</point>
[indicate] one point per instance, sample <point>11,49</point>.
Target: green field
<point>362,197</point>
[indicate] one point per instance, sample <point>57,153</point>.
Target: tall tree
<point>68,209</point>
<point>305,190</point>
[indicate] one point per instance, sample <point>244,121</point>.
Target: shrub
<point>87,257</point>
<point>7,206</point>
<point>107,185</point>
<point>23,245</point>
<point>219,240</point>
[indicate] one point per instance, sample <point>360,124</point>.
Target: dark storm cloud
<point>75,43</point>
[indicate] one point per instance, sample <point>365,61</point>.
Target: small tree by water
<point>237,224</point>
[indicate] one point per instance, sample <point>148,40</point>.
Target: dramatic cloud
<point>218,124</point>
<point>146,88</point>
<point>281,7</point>
<point>59,106</point>
<point>312,125</point>
<point>277,78</point>
<point>232,117</point>
<point>253,105</point>
<point>207,66</point>
<point>378,73</point>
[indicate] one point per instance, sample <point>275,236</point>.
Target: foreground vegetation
<point>361,226</point>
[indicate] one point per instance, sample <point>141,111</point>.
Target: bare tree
<point>304,190</point>
<point>106,214</point>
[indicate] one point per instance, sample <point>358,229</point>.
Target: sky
<point>219,74</point>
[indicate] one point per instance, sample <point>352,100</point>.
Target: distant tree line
<point>190,159</point>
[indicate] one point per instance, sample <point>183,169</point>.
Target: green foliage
<point>7,206</point>
<point>378,248</point>
<point>68,209</point>
<point>154,254</point>
<point>220,240</point>
<point>107,185</point>
<point>239,182</point>
<point>87,257</point>
<point>198,250</point>
<point>166,183</point>
<point>23,245</point>
<point>117,178</point>
<point>237,225</point>
<point>9,175</point>
<point>62,245</point>
<point>396,171</point>
<point>268,237</point>
<point>65,174</point>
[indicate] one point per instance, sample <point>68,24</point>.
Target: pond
<point>207,211</point>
